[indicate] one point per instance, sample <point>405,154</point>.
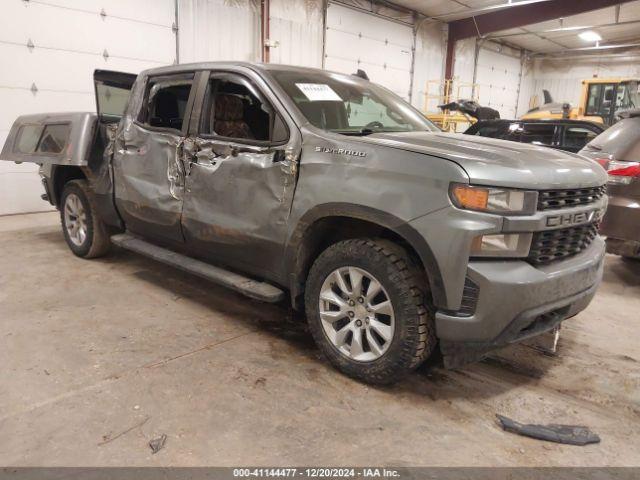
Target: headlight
<point>501,245</point>
<point>493,200</point>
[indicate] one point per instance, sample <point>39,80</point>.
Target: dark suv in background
<point>567,135</point>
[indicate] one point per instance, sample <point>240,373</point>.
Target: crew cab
<point>329,192</point>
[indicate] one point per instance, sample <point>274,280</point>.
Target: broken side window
<point>234,108</point>
<point>537,134</point>
<point>166,101</point>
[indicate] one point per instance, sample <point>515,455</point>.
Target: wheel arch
<point>327,224</point>
<point>60,176</point>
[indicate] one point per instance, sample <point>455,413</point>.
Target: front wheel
<point>85,234</point>
<point>366,307</point>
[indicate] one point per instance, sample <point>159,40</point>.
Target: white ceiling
<point>608,22</point>
<point>535,37</point>
<point>452,9</point>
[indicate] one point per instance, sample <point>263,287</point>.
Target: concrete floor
<point>98,357</point>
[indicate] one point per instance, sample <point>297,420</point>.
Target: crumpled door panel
<point>237,203</point>
<point>149,181</point>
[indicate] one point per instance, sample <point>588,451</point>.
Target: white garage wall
<point>497,76</point>
<point>298,27</point>
<point>69,38</point>
<point>429,64</point>
<point>527,87</point>
<point>563,77</point>
<point>381,47</point>
<point>212,30</point>
<point>500,76</point>
<point>463,68</point>
<point>495,72</point>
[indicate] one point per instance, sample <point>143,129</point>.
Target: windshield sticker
<point>318,92</point>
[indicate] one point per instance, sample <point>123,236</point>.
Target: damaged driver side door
<point>240,175</point>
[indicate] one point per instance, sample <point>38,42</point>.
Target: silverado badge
<point>341,151</point>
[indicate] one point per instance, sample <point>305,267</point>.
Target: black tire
<point>414,335</point>
<point>96,243</point>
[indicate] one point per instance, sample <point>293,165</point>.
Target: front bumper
<point>517,300</point>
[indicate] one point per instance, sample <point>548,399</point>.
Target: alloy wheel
<point>75,219</point>
<point>356,314</point>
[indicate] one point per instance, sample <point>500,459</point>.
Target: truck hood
<point>488,161</point>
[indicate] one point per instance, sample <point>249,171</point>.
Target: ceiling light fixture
<point>590,36</point>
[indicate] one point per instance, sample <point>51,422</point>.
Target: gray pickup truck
<point>394,237</point>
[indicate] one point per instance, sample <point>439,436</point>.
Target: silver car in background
<point>618,151</point>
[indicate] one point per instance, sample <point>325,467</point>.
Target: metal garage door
<point>381,47</point>
<point>498,77</point>
<point>48,51</point>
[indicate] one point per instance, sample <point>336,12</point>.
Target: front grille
<point>555,199</point>
<point>553,245</point>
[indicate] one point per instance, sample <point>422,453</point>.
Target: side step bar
<point>251,288</point>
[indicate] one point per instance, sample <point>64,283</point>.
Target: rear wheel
<point>85,234</point>
<point>366,307</point>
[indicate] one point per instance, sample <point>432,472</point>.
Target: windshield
<point>349,105</point>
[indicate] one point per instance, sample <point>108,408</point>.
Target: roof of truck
<point>190,67</point>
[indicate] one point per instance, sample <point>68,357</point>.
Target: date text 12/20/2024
<point>315,473</point>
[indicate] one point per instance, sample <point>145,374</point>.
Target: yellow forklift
<point>603,100</point>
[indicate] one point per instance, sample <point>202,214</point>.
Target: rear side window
<point>537,134</point>
<point>166,99</point>
<point>502,131</point>
<point>578,137</point>
<point>47,139</point>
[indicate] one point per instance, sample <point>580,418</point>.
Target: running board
<point>246,286</point>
